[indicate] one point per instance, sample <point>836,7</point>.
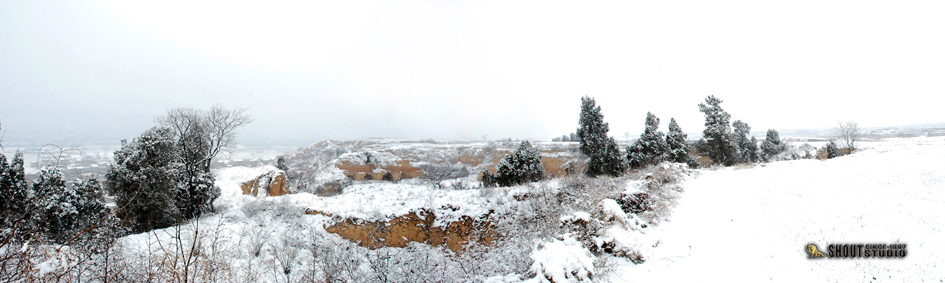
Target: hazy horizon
<point>460,70</point>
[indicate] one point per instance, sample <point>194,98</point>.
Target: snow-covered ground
<point>741,223</point>
<point>752,224</point>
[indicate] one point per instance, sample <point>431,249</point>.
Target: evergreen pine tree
<point>753,149</point>
<point>745,145</point>
<point>144,181</point>
<point>522,166</point>
<point>678,149</point>
<point>614,162</point>
<point>488,180</point>
<point>721,142</point>
<point>772,145</point>
<point>55,213</point>
<point>90,203</point>
<point>280,163</point>
<point>651,147</point>
<point>19,195</point>
<point>604,156</point>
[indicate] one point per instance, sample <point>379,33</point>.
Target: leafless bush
<point>460,185</point>
<point>337,259</point>
<point>849,133</point>
<point>383,264</point>
<point>285,250</point>
<point>217,254</point>
<point>584,193</point>
<point>436,173</point>
<point>253,235</point>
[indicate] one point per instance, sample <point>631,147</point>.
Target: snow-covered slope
<point>741,224</point>
<point>752,224</point>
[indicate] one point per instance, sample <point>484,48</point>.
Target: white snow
<point>577,215</point>
<point>382,201</point>
<point>752,225</point>
<point>229,180</point>
<point>612,210</point>
<point>562,261</point>
<point>742,224</point>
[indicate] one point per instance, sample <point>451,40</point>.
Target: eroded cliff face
<point>272,183</point>
<point>402,169</point>
<point>417,226</point>
<point>395,163</point>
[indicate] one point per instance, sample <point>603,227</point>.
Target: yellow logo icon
<point>813,252</point>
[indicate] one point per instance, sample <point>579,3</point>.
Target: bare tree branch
<point>849,133</point>
<point>215,130</point>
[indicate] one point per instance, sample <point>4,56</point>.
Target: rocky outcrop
<point>398,170</point>
<point>414,227</point>
<point>269,184</point>
<point>394,160</point>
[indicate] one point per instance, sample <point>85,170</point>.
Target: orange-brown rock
<point>402,170</point>
<point>272,184</point>
<point>555,165</point>
<point>413,227</point>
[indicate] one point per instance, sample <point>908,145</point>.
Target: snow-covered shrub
<point>522,166</point>
<point>562,261</point>
<point>660,185</point>
<point>831,149</point>
<point>488,179</point>
<point>772,146</point>
<point>635,203</point>
<point>582,193</point>
<point>332,188</point>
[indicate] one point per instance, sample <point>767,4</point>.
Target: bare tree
<point>437,173</point>
<point>201,135</point>
<point>222,123</point>
<point>849,133</point>
<point>215,128</point>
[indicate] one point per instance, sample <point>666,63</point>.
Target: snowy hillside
<point>752,224</point>
<point>742,223</point>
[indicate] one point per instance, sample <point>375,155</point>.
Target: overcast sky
<point>461,69</point>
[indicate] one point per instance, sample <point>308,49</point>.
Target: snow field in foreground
<point>751,225</point>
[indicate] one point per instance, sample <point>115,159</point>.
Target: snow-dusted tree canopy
<point>746,146</point>
<point>524,165</point>
<point>651,147</point>
<point>605,156</point>
<point>18,196</point>
<point>678,149</point>
<point>144,180</point>
<point>772,145</point>
<point>722,143</point>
